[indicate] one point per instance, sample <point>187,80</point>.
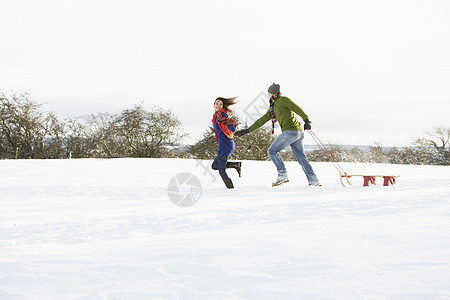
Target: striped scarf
<point>225,120</point>
<point>272,115</point>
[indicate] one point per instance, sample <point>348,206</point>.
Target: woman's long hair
<point>227,102</point>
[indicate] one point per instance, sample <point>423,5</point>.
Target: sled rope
<point>325,150</point>
<point>328,154</point>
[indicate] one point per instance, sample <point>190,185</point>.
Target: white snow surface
<point>107,229</point>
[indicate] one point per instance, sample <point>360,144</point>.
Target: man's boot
<point>282,178</point>
<point>229,183</point>
<point>236,165</point>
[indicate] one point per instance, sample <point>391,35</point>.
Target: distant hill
<point>312,147</point>
<point>347,147</point>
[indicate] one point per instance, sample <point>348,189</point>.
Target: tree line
<point>26,131</point>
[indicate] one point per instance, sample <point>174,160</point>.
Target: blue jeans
<point>293,138</point>
<point>220,163</point>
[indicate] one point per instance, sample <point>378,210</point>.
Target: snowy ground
<point>106,229</point>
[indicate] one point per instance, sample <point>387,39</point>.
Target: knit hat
<point>274,88</point>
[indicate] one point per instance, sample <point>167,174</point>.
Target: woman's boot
<point>229,183</point>
<point>236,165</point>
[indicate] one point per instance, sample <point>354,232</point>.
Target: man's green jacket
<point>283,109</point>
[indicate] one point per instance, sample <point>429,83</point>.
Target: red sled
<point>369,179</point>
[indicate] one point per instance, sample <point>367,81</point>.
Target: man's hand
<point>307,125</point>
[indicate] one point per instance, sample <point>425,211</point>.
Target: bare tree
<point>101,136</point>
<point>254,145</point>
<point>147,133</point>
<point>55,143</point>
<point>206,147</point>
<point>436,146</point>
<point>92,136</point>
<point>76,139</point>
<point>22,127</point>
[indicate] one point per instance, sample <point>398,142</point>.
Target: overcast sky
<point>364,71</point>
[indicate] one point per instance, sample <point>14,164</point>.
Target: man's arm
<point>260,122</point>
<point>295,108</point>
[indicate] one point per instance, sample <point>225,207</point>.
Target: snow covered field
<point>107,229</point>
